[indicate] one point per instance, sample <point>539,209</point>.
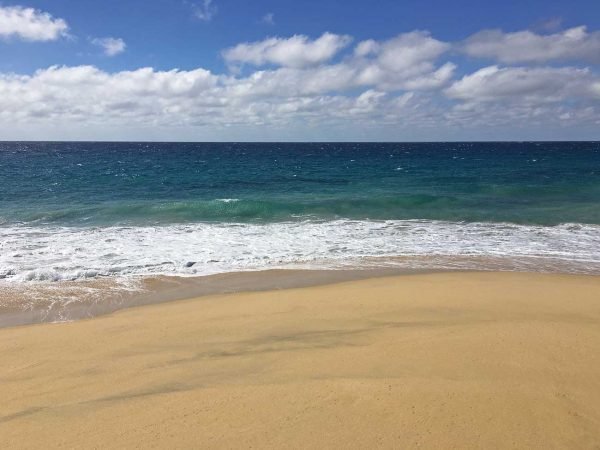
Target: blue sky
<point>289,70</point>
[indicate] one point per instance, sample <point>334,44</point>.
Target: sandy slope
<point>456,360</point>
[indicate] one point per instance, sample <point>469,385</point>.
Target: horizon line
<point>516,141</point>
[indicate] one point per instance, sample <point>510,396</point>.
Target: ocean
<point>116,213</point>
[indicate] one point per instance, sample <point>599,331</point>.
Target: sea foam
<point>49,253</point>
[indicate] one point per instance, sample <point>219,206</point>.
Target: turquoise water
<point>79,184</point>
<point>87,210</point>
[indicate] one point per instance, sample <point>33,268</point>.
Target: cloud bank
<point>410,86</point>
<point>574,44</point>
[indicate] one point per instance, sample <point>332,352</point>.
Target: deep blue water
<point>82,184</point>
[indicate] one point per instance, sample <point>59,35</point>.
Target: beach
<point>357,225</point>
<point>437,360</point>
<point>88,228</point>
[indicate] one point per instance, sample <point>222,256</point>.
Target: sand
<point>446,360</point>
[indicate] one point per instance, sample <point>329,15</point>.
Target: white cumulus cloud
<point>111,46</point>
<point>522,84</point>
<point>574,44</point>
<point>85,96</point>
<point>407,61</point>
<point>30,24</point>
<point>296,51</point>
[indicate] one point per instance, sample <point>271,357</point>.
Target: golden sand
<point>454,360</point>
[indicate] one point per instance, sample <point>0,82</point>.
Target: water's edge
<point>163,289</point>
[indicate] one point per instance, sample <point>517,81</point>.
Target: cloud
<point>300,88</point>
<point>206,11</point>
<point>522,84</point>
<point>268,18</point>
<point>521,121</point>
<point>296,51</point>
<point>111,46</point>
<point>288,103</point>
<point>366,48</point>
<point>87,93</point>
<point>30,24</point>
<point>88,96</point>
<point>407,51</point>
<point>548,25</point>
<point>407,61</point>
<point>574,44</point>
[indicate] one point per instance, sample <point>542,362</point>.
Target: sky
<point>233,70</point>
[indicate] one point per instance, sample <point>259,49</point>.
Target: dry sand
<point>454,360</point>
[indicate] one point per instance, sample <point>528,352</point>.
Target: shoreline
<point>453,359</point>
<point>97,297</point>
<point>165,289</point>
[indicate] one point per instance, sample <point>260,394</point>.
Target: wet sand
<point>64,301</point>
<point>441,360</point>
